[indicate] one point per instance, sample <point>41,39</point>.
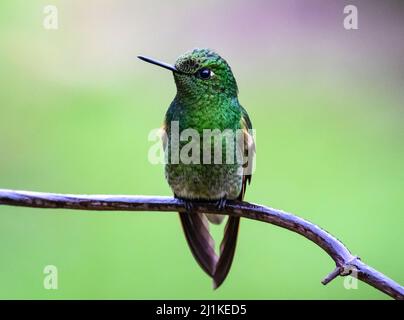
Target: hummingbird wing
<point>228,245</point>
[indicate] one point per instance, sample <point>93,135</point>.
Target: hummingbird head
<point>200,72</point>
<point>203,71</point>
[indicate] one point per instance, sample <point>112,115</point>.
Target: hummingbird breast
<point>201,179</point>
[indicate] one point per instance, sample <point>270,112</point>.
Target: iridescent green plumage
<point>207,99</point>
<point>204,104</point>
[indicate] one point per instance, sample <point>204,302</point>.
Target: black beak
<point>159,63</point>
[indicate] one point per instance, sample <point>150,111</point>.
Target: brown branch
<point>345,261</point>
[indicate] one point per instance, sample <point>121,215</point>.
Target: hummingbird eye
<point>205,73</point>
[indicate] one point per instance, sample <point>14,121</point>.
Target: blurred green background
<point>76,107</point>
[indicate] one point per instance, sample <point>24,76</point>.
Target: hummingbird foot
<point>189,206</point>
<point>221,204</point>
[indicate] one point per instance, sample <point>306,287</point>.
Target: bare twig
<point>344,260</point>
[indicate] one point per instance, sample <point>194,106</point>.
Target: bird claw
<point>189,206</point>
<point>221,204</point>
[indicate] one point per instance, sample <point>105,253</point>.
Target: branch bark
<point>346,263</point>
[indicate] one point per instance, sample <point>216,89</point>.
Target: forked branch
<point>346,263</point>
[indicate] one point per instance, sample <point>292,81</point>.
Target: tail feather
<point>227,250</point>
<point>201,243</point>
<point>199,240</point>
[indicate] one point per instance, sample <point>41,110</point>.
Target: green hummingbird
<point>206,98</point>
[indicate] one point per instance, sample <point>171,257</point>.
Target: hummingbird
<point>207,98</point>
